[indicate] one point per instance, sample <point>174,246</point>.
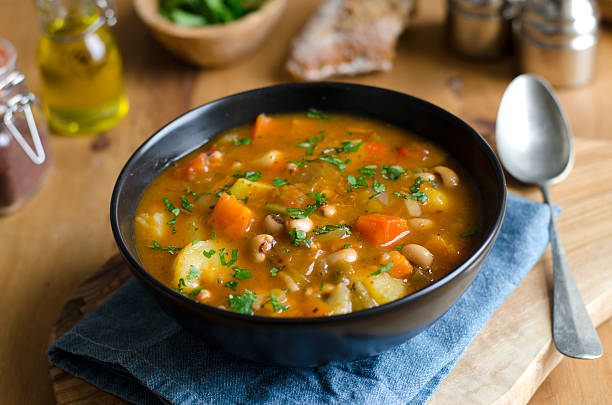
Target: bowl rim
<point>153,19</point>
<point>144,275</point>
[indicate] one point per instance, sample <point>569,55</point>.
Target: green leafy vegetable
<point>231,285</point>
<point>274,270</point>
<point>317,114</point>
<point>276,305</point>
<point>194,272</point>
<point>241,274</point>
<point>170,249</point>
<point>243,303</point>
<point>232,261</point>
<point>384,268</point>
<point>209,253</point>
<point>244,141</point>
<point>299,236</point>
<point>250,176</point>
<point>195,292</point>
<point>278,182</point>
<point>197,13</point>
<point>171,207</point>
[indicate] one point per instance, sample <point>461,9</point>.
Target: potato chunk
<point>340,300</point>
<point>155,224</point>
<point>243,188</point>
<point>194,267</point>
<point>384,288</point>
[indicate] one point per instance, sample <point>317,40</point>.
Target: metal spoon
<point>534,144</point>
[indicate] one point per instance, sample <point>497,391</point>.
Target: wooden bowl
<point>213,45</point>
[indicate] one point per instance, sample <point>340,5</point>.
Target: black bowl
<point>311,341</point>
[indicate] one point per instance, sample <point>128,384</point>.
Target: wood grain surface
<point>63,236</point>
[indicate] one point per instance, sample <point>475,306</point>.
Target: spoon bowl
<point>533,137</point>
<point>535,146</point>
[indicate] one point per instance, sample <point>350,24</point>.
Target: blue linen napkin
<point>130,348</point>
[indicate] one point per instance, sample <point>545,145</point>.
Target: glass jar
<point>24,157</point>
<point>80,66</point>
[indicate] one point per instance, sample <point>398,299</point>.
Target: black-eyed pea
<point>260,245</point>
<point>273,223</point>
<point>348,255</point>
<point>301,224</point>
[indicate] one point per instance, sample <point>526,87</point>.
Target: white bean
<point>449,177</point>
<point>420,223</point>
<point>348,255</point>
<point>418,254</point>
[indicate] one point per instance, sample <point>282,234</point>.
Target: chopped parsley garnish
<point>369,170</point>
<point>193,242</point>
<point>222,257</point>
<point>172,221</point>
<point>194,272</point>
<point>346,246</point>
<point>195,292</point>
<point>171,207</point>
<point>298,163</point>
<point>274,270</point>
<point>170,249</point>
<point>392,172</point>
<point>378,187</point>
<point>181,284</point>
<point>416,186</point>
<point>321,230</point>
<point>317,114</point>
<point>433,184</point>
<point>186,204</point>
<point>241,274</point>
<point>383,269</point>
<point>212,235</point>
<point>284,249</point>
<point>400,247</point>
<point>239,142</point>
<point>420,197</point>
<point>334,161</point>
<point>311,144</point>
<point>243,303</point>
<point>209,253</point>
<point>278,182</point>
<point>321,287</point>
<point>195,195</point>
<point>250,176</point>
<point>348,147</point>
<point>468,233</point>
<point>299,236</point>
<point>300,213</point>
<point>231,285</point>
<point>276,305</point>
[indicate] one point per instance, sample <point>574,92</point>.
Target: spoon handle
<point>573,332</point>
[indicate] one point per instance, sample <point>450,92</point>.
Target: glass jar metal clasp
<point>22,103</point>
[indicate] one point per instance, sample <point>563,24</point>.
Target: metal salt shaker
<point>557,40</point>
<point>479,29</point>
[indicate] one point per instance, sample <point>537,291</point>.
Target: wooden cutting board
<point>513,353</point>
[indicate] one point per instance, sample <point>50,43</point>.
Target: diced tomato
<point>194,168</point>
<point>381,229</point>
<point>231,217</point>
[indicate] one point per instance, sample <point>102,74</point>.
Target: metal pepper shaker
<point>480,29</point>
<point>557,40</point>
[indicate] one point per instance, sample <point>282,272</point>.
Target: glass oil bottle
<point>80,66</point>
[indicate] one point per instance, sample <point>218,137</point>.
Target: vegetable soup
<point>308,214</point>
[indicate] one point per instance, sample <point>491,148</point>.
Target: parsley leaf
<point>194,272</point>
<point>384,268</point>
<point>241,274</point>
<point>334,161</point>
<point>298,163</point>
<point>317,114</point>
<point>250,176</point>
<point>209,253</point>
<point>243,303</point>
<point>274,270</point>
<point>231,285</point>
<point>416,185</point>
<point>276,305</point>
<point>232,261</point>
<point>468,233</point>
<point>195,292</point>
<point>239,142</point>
<point>299,236</point>
<point>321,230</point>
<point>392,172</point>
<point>170,249</point>
<point>278,182</point>
<point>171,207</point>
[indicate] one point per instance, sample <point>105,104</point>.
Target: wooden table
<point>63,235</point>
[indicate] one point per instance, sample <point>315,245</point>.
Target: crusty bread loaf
<point>348,37</point>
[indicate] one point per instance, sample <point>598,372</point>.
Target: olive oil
<point>81,75</point>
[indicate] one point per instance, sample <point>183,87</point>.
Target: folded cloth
<point>131,348</point>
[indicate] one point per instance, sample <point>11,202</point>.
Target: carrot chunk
<point>194,168</point>
<point>377,149</point>
<point>231,217</point>
<point>380,229</point>
<point>401,266</point>
<point>264,125</point>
